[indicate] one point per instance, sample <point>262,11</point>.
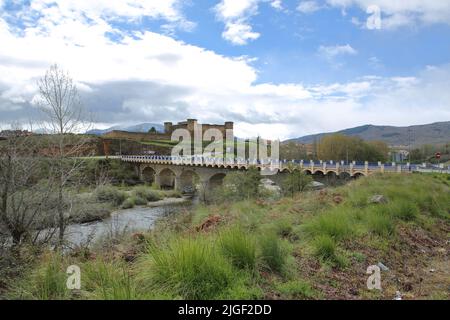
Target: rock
<point>382,266</point>
<point>378,199</point>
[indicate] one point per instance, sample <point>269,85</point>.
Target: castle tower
<point>191,124</point>
<point>168,127</point>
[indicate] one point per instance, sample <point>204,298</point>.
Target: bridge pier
<point>157,180</point>
<point>178,186</point>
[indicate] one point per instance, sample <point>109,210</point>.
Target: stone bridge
<point>182,173</point>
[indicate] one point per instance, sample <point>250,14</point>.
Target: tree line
<point>338,147</point>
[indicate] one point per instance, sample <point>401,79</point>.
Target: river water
<point>137,219</point>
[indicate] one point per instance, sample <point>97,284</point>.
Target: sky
<point>277,68</point>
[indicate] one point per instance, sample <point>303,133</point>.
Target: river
<point>137,219</point>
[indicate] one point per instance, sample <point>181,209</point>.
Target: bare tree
<point>64,118</point>
<point>24,195</point>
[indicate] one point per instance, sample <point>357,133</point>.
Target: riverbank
<point>315,245</point>
<point>99,203</point>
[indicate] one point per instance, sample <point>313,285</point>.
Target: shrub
<point>239,247</point>
<point>296,181</point>
<point>272,252</point>
<point>147,194</point>
<point>138,201</point>
<point>192,269</point>
<point>128,204</point>
<point>173,194</point>
<point>241,185</point>
<point>110,194</point>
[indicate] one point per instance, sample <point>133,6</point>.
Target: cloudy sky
<point>278,68</point>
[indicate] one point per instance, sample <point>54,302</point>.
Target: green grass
<point>45,282</point>
<point>296,289</point>
<point>239,247</point>
<point>379,222</point>
<point>273,253</point>
<point>336,223</point>
<point>404,210</point>
<point>259,249</point>
<point>110,281</point>
<point>324,247</point>
<point>188,268</point>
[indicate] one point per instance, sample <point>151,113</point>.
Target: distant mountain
<point>143,127</point>
<point>435,133</point>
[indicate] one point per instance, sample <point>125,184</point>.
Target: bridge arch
<point>216,180</point>
<point>307,171</point>
<point>148,174</point>
<point>331,174</point>
<point>167,178</point>
<point>358,174</point>
<point>189,180</point>
<point>344,175</point>
<point>319,172</point>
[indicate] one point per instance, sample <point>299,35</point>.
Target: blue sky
<point>280,68</point>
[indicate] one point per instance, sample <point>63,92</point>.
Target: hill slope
<point>143,127</point>
<point>434,133</point>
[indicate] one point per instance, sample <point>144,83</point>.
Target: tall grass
<point>379,222</point>
<point>325,248</point>
<point>337,223</point>
<point>109,281</point>
<point>273,253</point>
<point>46,282</point>
<point>404,210</point>
<point>239,247</point>
<point>188,268</point>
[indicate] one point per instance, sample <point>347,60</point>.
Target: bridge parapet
<point>324,167</point>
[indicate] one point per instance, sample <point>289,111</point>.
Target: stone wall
<point>136,136</point>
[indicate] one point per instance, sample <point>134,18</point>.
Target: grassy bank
<point>311,246</point>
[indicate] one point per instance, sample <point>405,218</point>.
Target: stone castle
<point>169,128</point>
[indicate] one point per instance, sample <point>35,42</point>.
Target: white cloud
<point>330,52</point>
<point>236,16</point>
<point>277,4</point>
<point>403,13</point>
<point>239,33</point>
<point>153,78</point>
<point>308,6</point>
